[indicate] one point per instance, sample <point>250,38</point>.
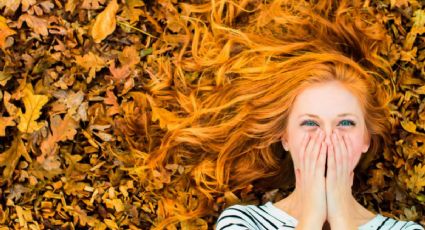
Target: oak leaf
<point>130,11</point>
<point>39,25</point>
<point>10,158</point>
<point>90,62</point>
<point>13,5</point>
<point>62,129</point>
<point>33,104</point>
<point>5,121</point>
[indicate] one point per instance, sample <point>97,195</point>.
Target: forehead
<point>327,99</point>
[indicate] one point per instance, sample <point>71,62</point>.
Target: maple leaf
<point>33,104</point>
<point>105,22</point>
<point>5,32</point>
<point>9,159</point>
<point>90,62</point>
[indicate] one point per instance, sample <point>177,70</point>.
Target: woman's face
<point>328,106</point>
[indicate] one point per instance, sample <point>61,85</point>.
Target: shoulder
<point>235,217</point>
<point>382,222</point>
<point>257,217</point>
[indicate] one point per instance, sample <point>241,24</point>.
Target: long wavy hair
<point>231,85</point>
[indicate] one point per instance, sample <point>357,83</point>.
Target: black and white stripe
<point>261,217</point>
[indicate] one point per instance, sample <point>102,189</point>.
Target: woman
<point>326,136</point>
<point>261,65</point>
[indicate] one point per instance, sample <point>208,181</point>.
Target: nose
<point>328,133</point>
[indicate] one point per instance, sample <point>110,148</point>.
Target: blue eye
<point>346,122</point>
<point>349,122</point>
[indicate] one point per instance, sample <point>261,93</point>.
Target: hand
<point>310,179</point>
<point>339,180</point>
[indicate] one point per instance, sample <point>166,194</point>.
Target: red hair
<point>238,67</point>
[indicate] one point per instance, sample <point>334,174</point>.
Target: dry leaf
<point>105,22</point>
<point>9,159</point>
<point>33,104</point>
<point>5,32</point>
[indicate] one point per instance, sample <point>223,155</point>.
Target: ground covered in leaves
<point>80,79</point>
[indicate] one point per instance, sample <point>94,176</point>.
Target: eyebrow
<point>340,115</point>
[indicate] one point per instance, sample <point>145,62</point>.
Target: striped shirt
<point>268,216</point>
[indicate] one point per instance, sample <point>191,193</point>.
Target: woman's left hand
<point>339,180</point>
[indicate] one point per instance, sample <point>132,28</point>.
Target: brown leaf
<point>38,24</point>
<point>9,159</point>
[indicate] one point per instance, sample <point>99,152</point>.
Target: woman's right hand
<point>310,181</point>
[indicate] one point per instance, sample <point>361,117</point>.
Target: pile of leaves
<point>82,87</point>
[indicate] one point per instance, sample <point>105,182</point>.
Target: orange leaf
<point>5,32</point>
<point>105,22</point>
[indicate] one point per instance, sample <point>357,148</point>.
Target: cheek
<point>357,144</point>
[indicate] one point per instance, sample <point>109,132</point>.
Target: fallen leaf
<point>10,158</point>
<point>92,63</point>
<point>105,22</point>
<point>38,24</point>
<point>5,32</point>
<point>5,121</point>
<point>33,104</point>
<point>62,129</point>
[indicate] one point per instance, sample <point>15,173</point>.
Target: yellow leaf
<point>24,216</point>
<point>5,32</point>
<point>417,28</point>
<point>408,126</point>
<point>416,178</point>
<point>5,121</point>
<point>111,224</point>
<point>105,22</point>
<point>33,104</point>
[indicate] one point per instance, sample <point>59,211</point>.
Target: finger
<point>344,154</point>
<point>309,149</point>
<point>321,161</point>
<point>337,154</point>
<point>331,161</point>
<point>298,182</point>
<point>301,155</point>
<point>317,148</point>
<point>353,157</point>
